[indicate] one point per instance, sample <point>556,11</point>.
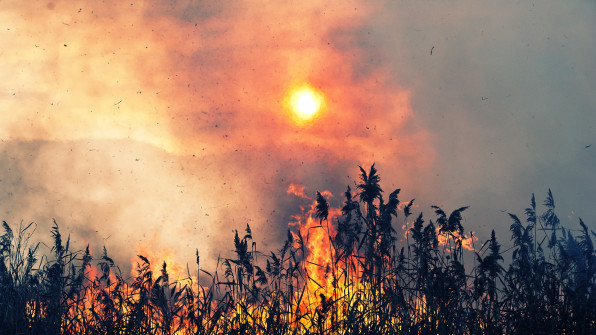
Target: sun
<point>305,103</point>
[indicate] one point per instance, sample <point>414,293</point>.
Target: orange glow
<point>467,242</point>
<point>157,257</point>
<point>297,190</point>
<point>305,103</point>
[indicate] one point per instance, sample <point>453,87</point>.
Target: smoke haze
<point>162,123</point>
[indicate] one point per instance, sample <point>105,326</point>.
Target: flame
<point>297,190</point>
<point>325,293</point>
<point>157,258</point>
<point>467,242</point>
<point>328,288</point>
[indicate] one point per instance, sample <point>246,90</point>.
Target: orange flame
<point>157,258</point>
<point>297,190</point>
<point>467,242</point>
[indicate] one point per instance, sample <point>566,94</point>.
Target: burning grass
<point>340,271</point>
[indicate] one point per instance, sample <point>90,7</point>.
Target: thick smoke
<point>505,91</point>
<point>163,122</point>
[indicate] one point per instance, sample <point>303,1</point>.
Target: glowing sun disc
<point>305,103</point>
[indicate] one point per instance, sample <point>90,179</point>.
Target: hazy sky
<point>161,124</point>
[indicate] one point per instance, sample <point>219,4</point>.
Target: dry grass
<point>338,272</point>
